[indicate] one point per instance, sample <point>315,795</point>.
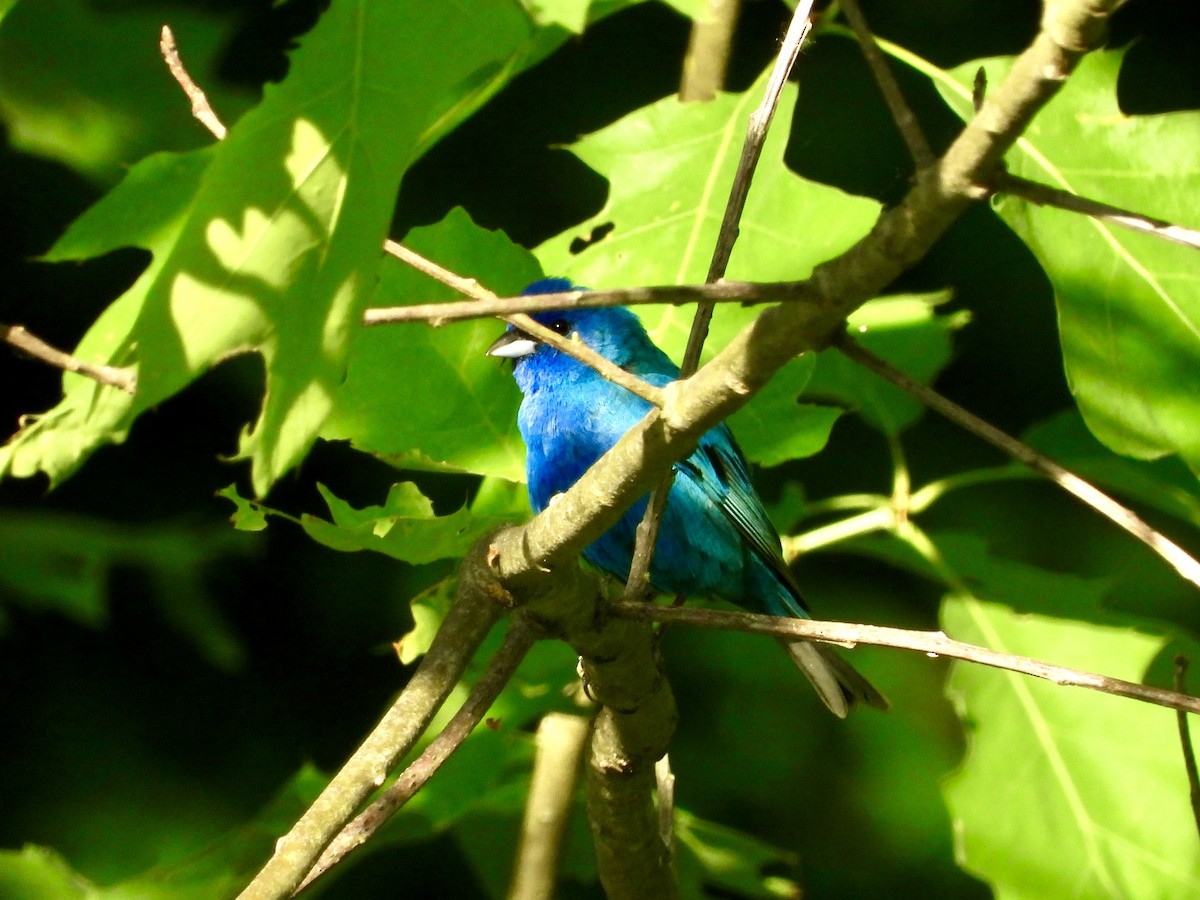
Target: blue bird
<point>715,539</point>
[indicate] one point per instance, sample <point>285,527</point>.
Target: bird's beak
<point>512,345</point>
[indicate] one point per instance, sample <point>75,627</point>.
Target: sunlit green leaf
<point>428,398</point>
<point>279,249</point>
<point>670,166</point>
<point>1066,792</point>
<point>1128,303</point>
<point>404,527</point>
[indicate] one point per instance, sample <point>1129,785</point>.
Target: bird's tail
<point>838,684</point>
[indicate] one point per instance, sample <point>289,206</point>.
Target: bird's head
<point>613,332</point>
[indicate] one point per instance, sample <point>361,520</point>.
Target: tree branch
<point>934,643</point>
<point>477,606</point>
<point>902,114</point>
<point>521,636</point>
<point>1044,195</point>
<point>561,741</point>
<point>900,237</point>
<point>438,314</point>
<point>201,109</point>
<point>32,345</point>
<point>752,144</point>
<point>1185,741</point>
<point>708,51</point>
<point>1183,563</point>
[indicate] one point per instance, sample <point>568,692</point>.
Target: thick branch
<point>17,336</point>
<point>521,636</point>
<point>901,236</point>
<point>475,610</point>
<point>561,741</point>
<point>934,643</point>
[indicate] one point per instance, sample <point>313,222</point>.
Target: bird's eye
<point>560,326</point>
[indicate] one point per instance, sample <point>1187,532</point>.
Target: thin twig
<point>932,643</point>
<point>521,636</point>
<point>23,340</point>
<point>1185,564</point>
<point>646,539</point>
<point>471,616</point>
<point>756,134</point>
<point>560,741</point>
<point>201,110</point>
<point>1185,741</point>
<point>902,114</point>
<point>575,349</point>
<point>748,293</point>
<point>1044,195</point>
<point>708,51</point>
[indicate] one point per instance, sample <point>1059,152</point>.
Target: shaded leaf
<point>904,330</point>
<point>776,427</point>
<point>718,856</point>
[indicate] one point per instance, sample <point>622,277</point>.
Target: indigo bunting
<point>715,539</point>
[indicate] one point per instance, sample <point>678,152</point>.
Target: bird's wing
<point>718,468</point>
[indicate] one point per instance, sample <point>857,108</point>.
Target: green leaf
<point>64,564</point>
<point>902,329</point>
<point>279,249</point>
<point>670,166</point>
<point>1066,792</point>
<point>148,209</point>
<point>775,426</point>
<point>1128,303</point>
<point>249,515</point>
<point>404,527</point>
<point>722,857</point>
<point>38,873</point>
<point>428,398</point>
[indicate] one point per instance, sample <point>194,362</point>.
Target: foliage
<point>212,678</point>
